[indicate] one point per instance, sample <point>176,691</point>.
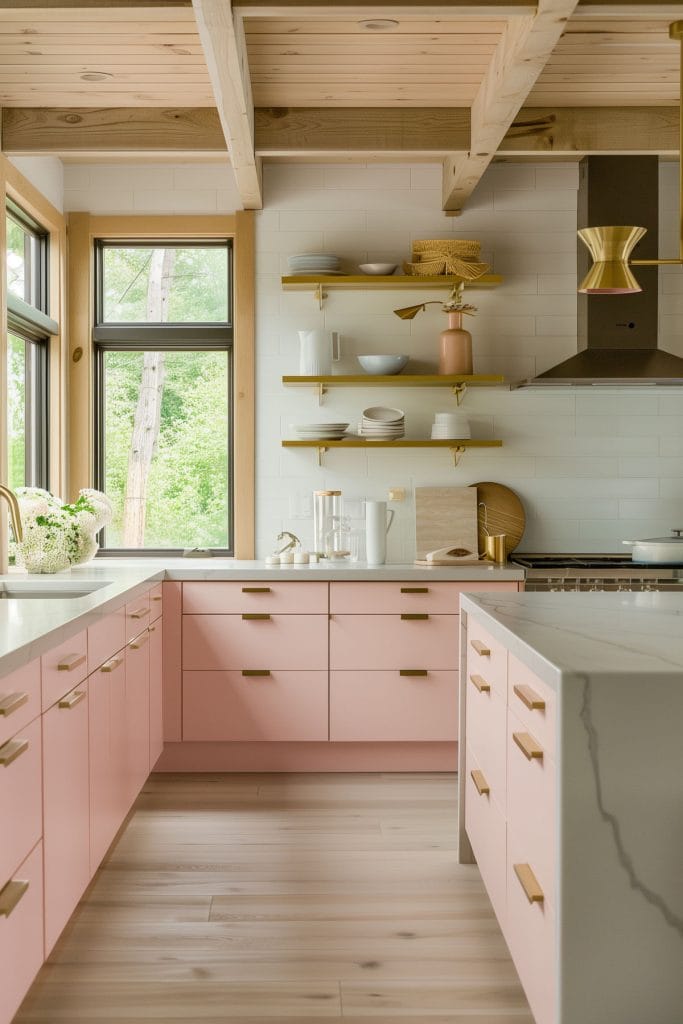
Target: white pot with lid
<point>658,550</point>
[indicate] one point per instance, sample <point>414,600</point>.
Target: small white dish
<point>378,268</point>
<point>380,365</point>
<point>383,414</point>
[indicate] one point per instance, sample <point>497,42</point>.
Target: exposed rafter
<point>521,55</point>
<point>388,8</point>
<point>224,45</point>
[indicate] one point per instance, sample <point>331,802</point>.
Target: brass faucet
<point>14,512</point>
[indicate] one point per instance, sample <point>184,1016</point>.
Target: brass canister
<point>494,548</point>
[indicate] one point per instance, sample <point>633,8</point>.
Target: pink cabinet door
<point>138,616</point>
<point>156,683</point>
<point>156,602</point>
<point>486,657</point>
<point>485,827</point>
<point>63,668</point>
<point>172,661</point>
<point>106,637</point>
<point>20,700</point>
<point>233,706</point>
<point>107,732</point>
<point>21,932</point>
<point>233,642</point>
<point>21,797</point>
<point>233,598</point>
<point>137,713</point>
<point>486,713</point>
<point>376,642</point>
<point>372,598</point>
<point>390,706</point>
<point>66,816</point>
<point>533,702</point>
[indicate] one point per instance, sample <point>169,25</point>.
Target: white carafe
<point>378,520</point>
<point>318,350</point>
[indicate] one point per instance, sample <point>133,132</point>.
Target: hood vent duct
<point>617,334</point>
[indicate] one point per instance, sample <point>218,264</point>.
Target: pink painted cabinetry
<point>508,786</point>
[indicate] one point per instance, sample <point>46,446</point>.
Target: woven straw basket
<point>457,256</point>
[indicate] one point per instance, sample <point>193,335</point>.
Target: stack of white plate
<point>315,263</point>
<point>382,424</point>
<point>450,425</point>
<point>319,431</point>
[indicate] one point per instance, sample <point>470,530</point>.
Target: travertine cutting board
<point>446,517</point>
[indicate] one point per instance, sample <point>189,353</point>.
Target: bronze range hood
<point>618,334</point>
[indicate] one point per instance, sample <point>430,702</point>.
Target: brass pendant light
<point>611,246</point>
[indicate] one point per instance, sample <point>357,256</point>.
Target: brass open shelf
<point>458,383</point>
<point>320,284</point>
<point>456,446</point>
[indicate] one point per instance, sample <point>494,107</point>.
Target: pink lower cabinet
<point>156,695</point>
<point>393,642</point>
<point>255,705</point>
<point>108,748</point>
<point>21,797</point>
<point>403,705</point>
<point>63,667</point>
<point>20,699</point>
<point>66,821</point>
<point>137,714</point>
<point>21,931</point>
<point>255,640</point>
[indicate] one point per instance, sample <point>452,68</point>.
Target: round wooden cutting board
<point>499,510</point>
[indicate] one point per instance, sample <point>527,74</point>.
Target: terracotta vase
<point>455,347</point>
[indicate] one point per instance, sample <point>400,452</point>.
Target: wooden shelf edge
<point>311,281</point>
<point>416,380</point>
<point>403,443</point>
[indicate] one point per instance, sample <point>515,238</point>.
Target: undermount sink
<point>13,590</point>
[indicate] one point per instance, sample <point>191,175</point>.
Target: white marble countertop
<point>31,626</point>
<point>592,635</point>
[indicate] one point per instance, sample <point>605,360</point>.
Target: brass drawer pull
<point>528,745</point>
<point>10,896</point>
<point>139,641</point>
<point>70,661</point>
<point>71,700</point>
<point>139,613</point>
<point>255,671</point>
<point>480,782</point>
<point>157,597</point>
<point>152,629</point>
<point>413,672</point>
<point>256,615</point>
<point>529,882</point>
<point>112,664</point>
<point>414,590</point>
<point>255,590</point>
<point>480,648</point>
<point>412,616</point>
<point>12,702</point>
<point>11,750</point>
<point>481,684</point>
<point>529,697</point>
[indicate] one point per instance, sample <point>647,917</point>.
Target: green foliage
<point>198,292</point>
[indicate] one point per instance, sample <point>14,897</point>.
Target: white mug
<point>378,520</point>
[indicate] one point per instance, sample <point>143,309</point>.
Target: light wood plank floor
<point>258,899</point>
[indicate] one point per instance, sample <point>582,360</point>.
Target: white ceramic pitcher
<point>319,349</point>
<point>378,520</point>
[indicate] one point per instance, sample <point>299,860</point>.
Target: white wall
<point>592,466</point>
<point>46,173</point>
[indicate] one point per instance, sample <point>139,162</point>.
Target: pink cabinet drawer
<point>156,602</point>
<point>388,706</point>
<point>486,736</point>
<point>20,699</point>
<point>485,827</point>
<point>233,642</point>
<point>21,797</point>
<point>138,615</point>
<point>232,598</point>
<point>531,937</point>
<point>66,813</point>
<point>137,713</point>
<point>389,598</point>
<point>106,638</point>
<point>486,657</point>
<point>232,706</point>
<point>21,932</point>
<point>376,642</point>
<point>533,702</point>
<point>156,692</point>
<point>531,801</point>
<point>63,668</point>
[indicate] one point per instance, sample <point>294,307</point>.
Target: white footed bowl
<point>381,365</point>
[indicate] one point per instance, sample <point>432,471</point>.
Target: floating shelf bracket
<point>457,454</point>
<point>459,392</point>
<point>320,295</point>
<point>321,455</point>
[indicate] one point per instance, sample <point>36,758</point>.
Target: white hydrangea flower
<point>58,535</point>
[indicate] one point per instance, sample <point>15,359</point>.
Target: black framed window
<point>163,338</point>
<point>28,333</point>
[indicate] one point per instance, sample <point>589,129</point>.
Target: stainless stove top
<point>595,572</point>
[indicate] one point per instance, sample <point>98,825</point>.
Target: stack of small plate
<point>382,424</point>
<point>450,425</point>
<point>319,431</point>
<point>315,263</point>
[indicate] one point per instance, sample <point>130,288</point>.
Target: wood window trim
<point>83,229</point>
<point>14,186</point>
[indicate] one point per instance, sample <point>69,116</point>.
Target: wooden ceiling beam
<point>222,36</point>
<point>28,5</point>
<point>519,58</point>
<point>386,9</point>
<point>323,133</point>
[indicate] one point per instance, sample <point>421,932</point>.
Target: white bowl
<point>381,365</point>
<point>378,268</point>
<point>382,414</point>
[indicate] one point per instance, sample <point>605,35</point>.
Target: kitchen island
<point>571,787</point>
